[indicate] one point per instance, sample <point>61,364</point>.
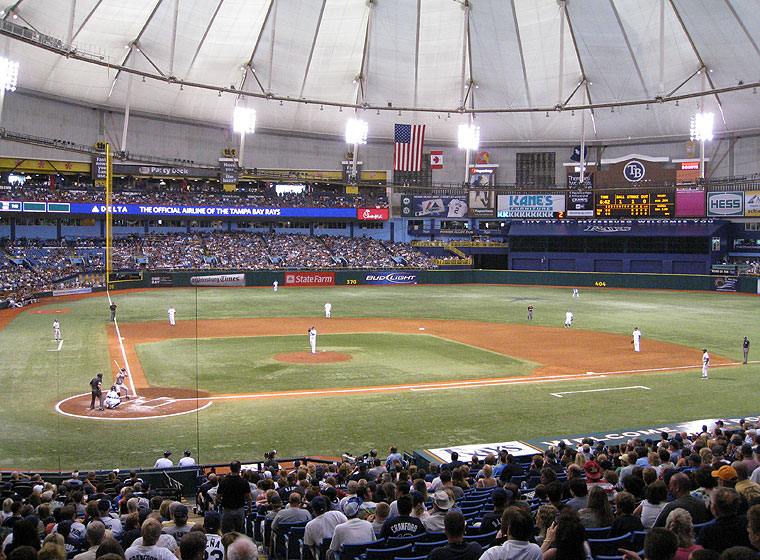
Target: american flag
<point>409,139</point>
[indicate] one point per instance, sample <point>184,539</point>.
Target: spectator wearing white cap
<point>353,531</point>
<point>443,501</point>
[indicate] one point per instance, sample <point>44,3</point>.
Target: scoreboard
<point>635,205</point>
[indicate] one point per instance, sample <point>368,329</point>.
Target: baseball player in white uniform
<point>705,362</point>
<point>313,340</point>
<point>328,309</point>
<point>275,284</point>
<point>113,398</point>
<point>568,319</point>
<point>636,339</point>
<point>119,385</point>
<point>576,293</point>
<point>172,313</point>
<point>56,330</point>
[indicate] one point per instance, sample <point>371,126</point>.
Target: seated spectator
<point>352,531</point>
<point>179,527</point>
<point>597,512</point>
<point>518,527</point>
<point>456,548</point>
<point>729,528</point>
<point>110,546</point>
<point>241,548</point>
<point>404,524</point>
<point>579,493</point>
<point>488,481</point>
<point>546,515</point>
<point>192,546</point>
<point>491,521</point>
<point>748,489</point>
<point>323,525</point>
<point>655,499</point>
<point>566,538</point>
<point>659,544</point>
<point>625,521</point>
<point>679,521</point>
<point>94,537</point>
<point>681,490</point>
<point>443,501</point>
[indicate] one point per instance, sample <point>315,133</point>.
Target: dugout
<point>627,246</point>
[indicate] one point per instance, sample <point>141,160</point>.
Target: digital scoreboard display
<point>635,205</point>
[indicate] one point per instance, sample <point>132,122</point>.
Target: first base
<point>422,328</point>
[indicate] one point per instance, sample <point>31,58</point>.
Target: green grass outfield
<point>33,378</point>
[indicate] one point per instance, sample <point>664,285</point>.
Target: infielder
<point>530,312</point>
<point>113,399</point>
<point>57,330</point>
<point>313,340</point>
<point>171,312</point>
<point>112,307</point>
<point>745,348</point>
<point>705,362</point>
<point>568,319</point>
<point>275,284</point>
<point>328,309</point>
<point>119,385</point>
<point>576,293</point>
<point>636,339</point>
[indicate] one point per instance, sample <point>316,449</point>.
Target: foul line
<point>123,352</point>
<point>729,364</point>
<point>60,343</point>
<point>599,390</point>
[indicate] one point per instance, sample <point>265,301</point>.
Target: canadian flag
<point>436,159</point>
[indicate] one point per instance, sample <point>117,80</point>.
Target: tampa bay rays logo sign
<point>634,171</point>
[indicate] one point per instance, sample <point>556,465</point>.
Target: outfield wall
<point>744,284</point>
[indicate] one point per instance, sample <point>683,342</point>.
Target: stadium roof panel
<point>512,63</point>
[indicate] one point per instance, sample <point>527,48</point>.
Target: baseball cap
<point>104,505</point>
<point>167,453</point>
<point>351,507</point>
<point>180,511</point>
<point>704,349</point>
<point>212,521</point>
<point>717,451</point>
<point>319,505</point>
<point>143,503</point>
<point>726,472</point>
<point>64,528</point>
<point>187,452</point>
<point>593,470</point>
<point>442,500</point>
<point>143,514</point>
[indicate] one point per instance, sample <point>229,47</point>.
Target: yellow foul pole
<point>109,216</point>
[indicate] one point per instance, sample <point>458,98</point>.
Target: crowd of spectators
<point>670,496</point>
<point>196,193</point>
<point>28,266</point>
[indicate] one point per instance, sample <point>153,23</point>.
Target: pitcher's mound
<point>309,358</point>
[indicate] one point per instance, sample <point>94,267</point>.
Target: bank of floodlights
<point>469,137</point>
<point>244,120</point>
<point>356,131</point>
<point>8,73</point>
<point>701,127</point>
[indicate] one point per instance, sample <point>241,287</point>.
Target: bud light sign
<point>387,278</point>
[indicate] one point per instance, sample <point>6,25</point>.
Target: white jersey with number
<point>214,548</point>
<point>568,318</point>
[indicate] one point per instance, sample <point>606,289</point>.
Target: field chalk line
<point>60,343</point>
<point>600,390</point>
<point>123,352</point>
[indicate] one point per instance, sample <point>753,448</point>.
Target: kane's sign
<point>310,279</point>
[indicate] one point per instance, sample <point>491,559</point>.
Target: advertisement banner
<point>529,205</point>
<point>726,283</point>
<point>309,279</point>
<point>516,448</point>
<point>752,203</point>
<point>439,207</point>
<point>218,280</point>
<point>690,202</point>
<point>71,291</point>
<point>196,211</point>
<point>480,202</point>
<point>157,170</point>
<point>729,203</point>
<point>386,278</point>
<point>162,280</point>
<point>371,213</point>
<point>580,204</point>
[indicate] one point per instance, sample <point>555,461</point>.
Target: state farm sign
<point>310,279</point>
<point>372,213</point>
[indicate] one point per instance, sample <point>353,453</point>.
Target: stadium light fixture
<point>244,120</point>
<point>356,131</point>
<point>469,137</point>
<point>8,73</point>
<point>701,128</point>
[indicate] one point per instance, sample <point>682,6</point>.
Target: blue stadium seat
<point>373,553</point>
<point>355,550</point>
<point>609,547</point>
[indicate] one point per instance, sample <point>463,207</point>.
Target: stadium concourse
<point>678,492</point>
